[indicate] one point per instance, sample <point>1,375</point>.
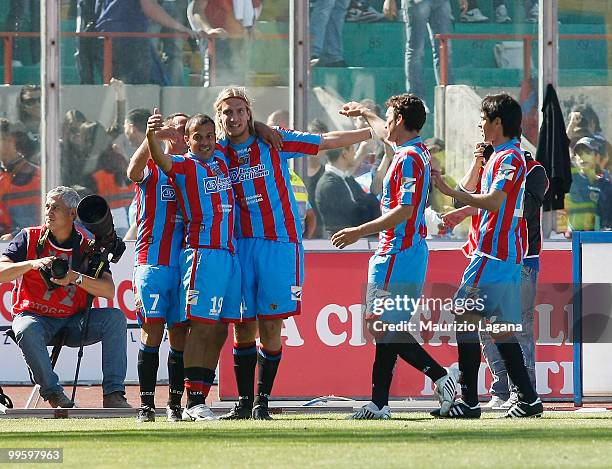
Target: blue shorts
<point>272,278</point>
<point>392,280</point>
<point>210,285</point>
<point>494,288</point>
<point>156,294</point>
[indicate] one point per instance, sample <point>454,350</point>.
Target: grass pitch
<point>409,440</point>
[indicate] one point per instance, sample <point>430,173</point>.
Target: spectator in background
<point>589,202</point>
<point>172,47</point>
<point>422,18</point>
<point>307,215</point>
<point>439,202</point>
<point>584,122</point>
<point>24,16</point>
<point>470,12</point>
<point>135,60</point>
<point>314,170</point>
<point>20,200</point>
<point>105,173</point>
<point>232,30</point>
<point>326,24</point>
<point>73,157</point>
<point>339,198</point>
<point>134,130</point>
<point>28,108</point>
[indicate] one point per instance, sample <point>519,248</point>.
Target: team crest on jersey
<point>296,293</point>
<point>192,297</point>
<point>408,184</point>
<point>506,171</point>
<point>168,193</point>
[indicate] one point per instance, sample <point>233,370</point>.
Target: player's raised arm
<point>355,109</point>
<point>138,162</point>
<point>155,124</point>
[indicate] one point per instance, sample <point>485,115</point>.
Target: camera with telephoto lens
<point>58,269</point>
<point>95,215</point>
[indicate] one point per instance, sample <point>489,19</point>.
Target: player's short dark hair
<point>197,120</point>
<point>507,109</point>
<point>411,108</point>
<point>138,118</point>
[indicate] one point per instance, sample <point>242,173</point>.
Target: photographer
<point>44,305</point>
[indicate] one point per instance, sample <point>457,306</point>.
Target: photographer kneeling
<point>44,305</point>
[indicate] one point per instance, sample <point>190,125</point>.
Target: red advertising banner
<point>325,351</point>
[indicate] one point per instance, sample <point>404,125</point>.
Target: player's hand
<point>217,33</point>
<point>155,122</point>
<point>269,135</point>
<point>353,109</point>
<point>438,181</point>
<point>70,277</point>
<point>346,237</point>
<point>38,264</point>
<point>453,218</point>
<point>390,9</point>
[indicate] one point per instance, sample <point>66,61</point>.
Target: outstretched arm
<point>343,138</point>
<point>491,201</point>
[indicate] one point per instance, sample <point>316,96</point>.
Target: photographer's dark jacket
<point>30,292</point>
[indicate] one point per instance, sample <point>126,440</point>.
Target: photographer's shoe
<point>115,400</point>
<point>59,399</point>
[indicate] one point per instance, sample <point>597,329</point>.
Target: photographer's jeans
<point>106,325</point>
<point>501,384</point>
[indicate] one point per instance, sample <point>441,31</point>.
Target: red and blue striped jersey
<point>501,234</point>
<point>159,222</point>
<point>406,183</point>
<point>204,194</point>
<point>265,203</point>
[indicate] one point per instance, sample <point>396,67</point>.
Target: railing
<point>107,68</point>
<point>526,38</point>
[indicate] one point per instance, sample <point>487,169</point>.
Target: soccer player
<point>269,240</point>
<point>209,268</point>
<point>156,274</point>
<point>492,280</point>
<point>398,267</point>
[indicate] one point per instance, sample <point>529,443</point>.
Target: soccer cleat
<point>446,390</point>
<point>496,402</point>
<point>174,413</point>
<point>261,412</point>
<point>473,16</point>
<point>59,399</point>
<point>514,398</point>
<point>370,411</point>
<point>198,412</point>
<point>523,409</point>
<point>145,414</point>
<point>501,15</point>
<point>238,413</point>
<point>459,410</point>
